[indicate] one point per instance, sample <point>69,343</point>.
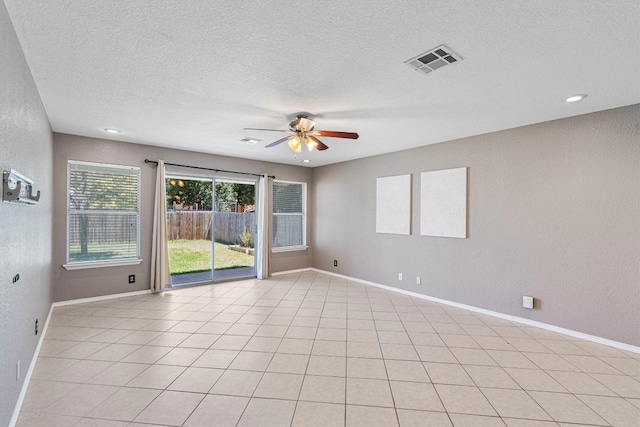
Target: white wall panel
<point>393,204</point>
<point>443,203</point>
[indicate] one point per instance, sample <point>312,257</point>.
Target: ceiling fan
<point>303,129</point>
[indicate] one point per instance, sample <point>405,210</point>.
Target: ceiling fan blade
<point>281,140</point>
<point>336,134</point>
<point>270,130</point>
<point>320,145</point>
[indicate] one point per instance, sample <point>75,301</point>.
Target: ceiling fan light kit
<point>311,144</point>
<point>295,144</point>
<point>304,131</point>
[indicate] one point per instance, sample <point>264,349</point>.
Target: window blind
<point>103,212</point>
<point>289,201</point>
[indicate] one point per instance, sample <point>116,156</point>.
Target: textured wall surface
<point>25,230</point>
<point>111,280</point>
<point>553,212</point>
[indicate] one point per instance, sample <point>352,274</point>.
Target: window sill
<point>289,249</point>
<point>100,264</point>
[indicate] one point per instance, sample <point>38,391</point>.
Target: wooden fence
<point>102,229</point>
<point>229,225</point>
<point>196,225</point>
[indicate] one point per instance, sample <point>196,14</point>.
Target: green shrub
<point>247,238</point>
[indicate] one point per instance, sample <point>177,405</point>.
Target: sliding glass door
<point>211,229</point>
<point>234,220</point>
<point>189,211</point>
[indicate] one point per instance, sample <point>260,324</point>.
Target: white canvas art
<point>393,205</point>
<point>443,203</point>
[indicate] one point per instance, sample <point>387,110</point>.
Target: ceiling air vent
<point>433,59</point>
<point>249,141</point>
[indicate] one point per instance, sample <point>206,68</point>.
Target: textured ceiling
<point>192,74</point>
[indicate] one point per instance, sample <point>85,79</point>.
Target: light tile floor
<point>308,349</point>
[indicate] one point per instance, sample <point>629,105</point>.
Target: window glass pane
<point>287,230</point>
<point>97,188</point>
<point>288,214</point>
<point>102,236</point>
<point>104,214</point>
<point>287,198</point>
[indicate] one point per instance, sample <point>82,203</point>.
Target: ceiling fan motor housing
<point>302,124</point>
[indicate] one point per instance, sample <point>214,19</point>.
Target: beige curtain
<point>263,241</point>
<point>160,277</point>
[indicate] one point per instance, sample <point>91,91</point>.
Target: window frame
<point>79,265</point>
<point>303,246</point>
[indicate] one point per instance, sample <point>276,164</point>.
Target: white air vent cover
<point>433,59</point>
<point>249,141</point>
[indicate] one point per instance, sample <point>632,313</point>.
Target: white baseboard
<point>553,328</point>
<point>34,359</point>
<point>27,376</point>
<point>101,298</point>
<point>299,270</point>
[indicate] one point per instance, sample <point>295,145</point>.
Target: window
<point>103,223</point>
<point>289,208</point>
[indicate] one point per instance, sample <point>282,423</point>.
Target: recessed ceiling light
<point>111,130</point>
<point>306,161</point>
<point>576,98</point>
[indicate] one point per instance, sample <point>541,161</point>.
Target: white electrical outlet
<point>399,276</point>
<point>527,302</point>
<point>17,371</point>
<point>418,280</point>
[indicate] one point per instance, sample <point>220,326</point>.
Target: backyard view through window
<point>210,228</point>
<point>103,208</point>
<point>289,206</point>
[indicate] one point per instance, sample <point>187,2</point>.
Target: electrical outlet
<point>132,278</point>
<point>418,280</point>
<point>527,302</point>
<point>335,262</point>
<point>399,276</point>
<point>36,326</point>
<point>15,278</point>
<point>18,371</point>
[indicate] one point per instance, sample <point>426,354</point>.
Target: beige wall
<point>554,212</point>
<point>86,283</point>
<point>25,230</point>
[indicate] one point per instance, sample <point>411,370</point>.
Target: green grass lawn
<point>193,256</point>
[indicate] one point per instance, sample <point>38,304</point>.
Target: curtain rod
<point>206,169</point>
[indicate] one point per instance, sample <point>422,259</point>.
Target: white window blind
<point>103,212</point>
<point>289,206</point>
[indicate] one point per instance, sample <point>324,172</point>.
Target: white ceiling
<point>192,74</point>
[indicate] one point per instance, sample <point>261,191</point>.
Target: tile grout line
<point>341,296</point>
